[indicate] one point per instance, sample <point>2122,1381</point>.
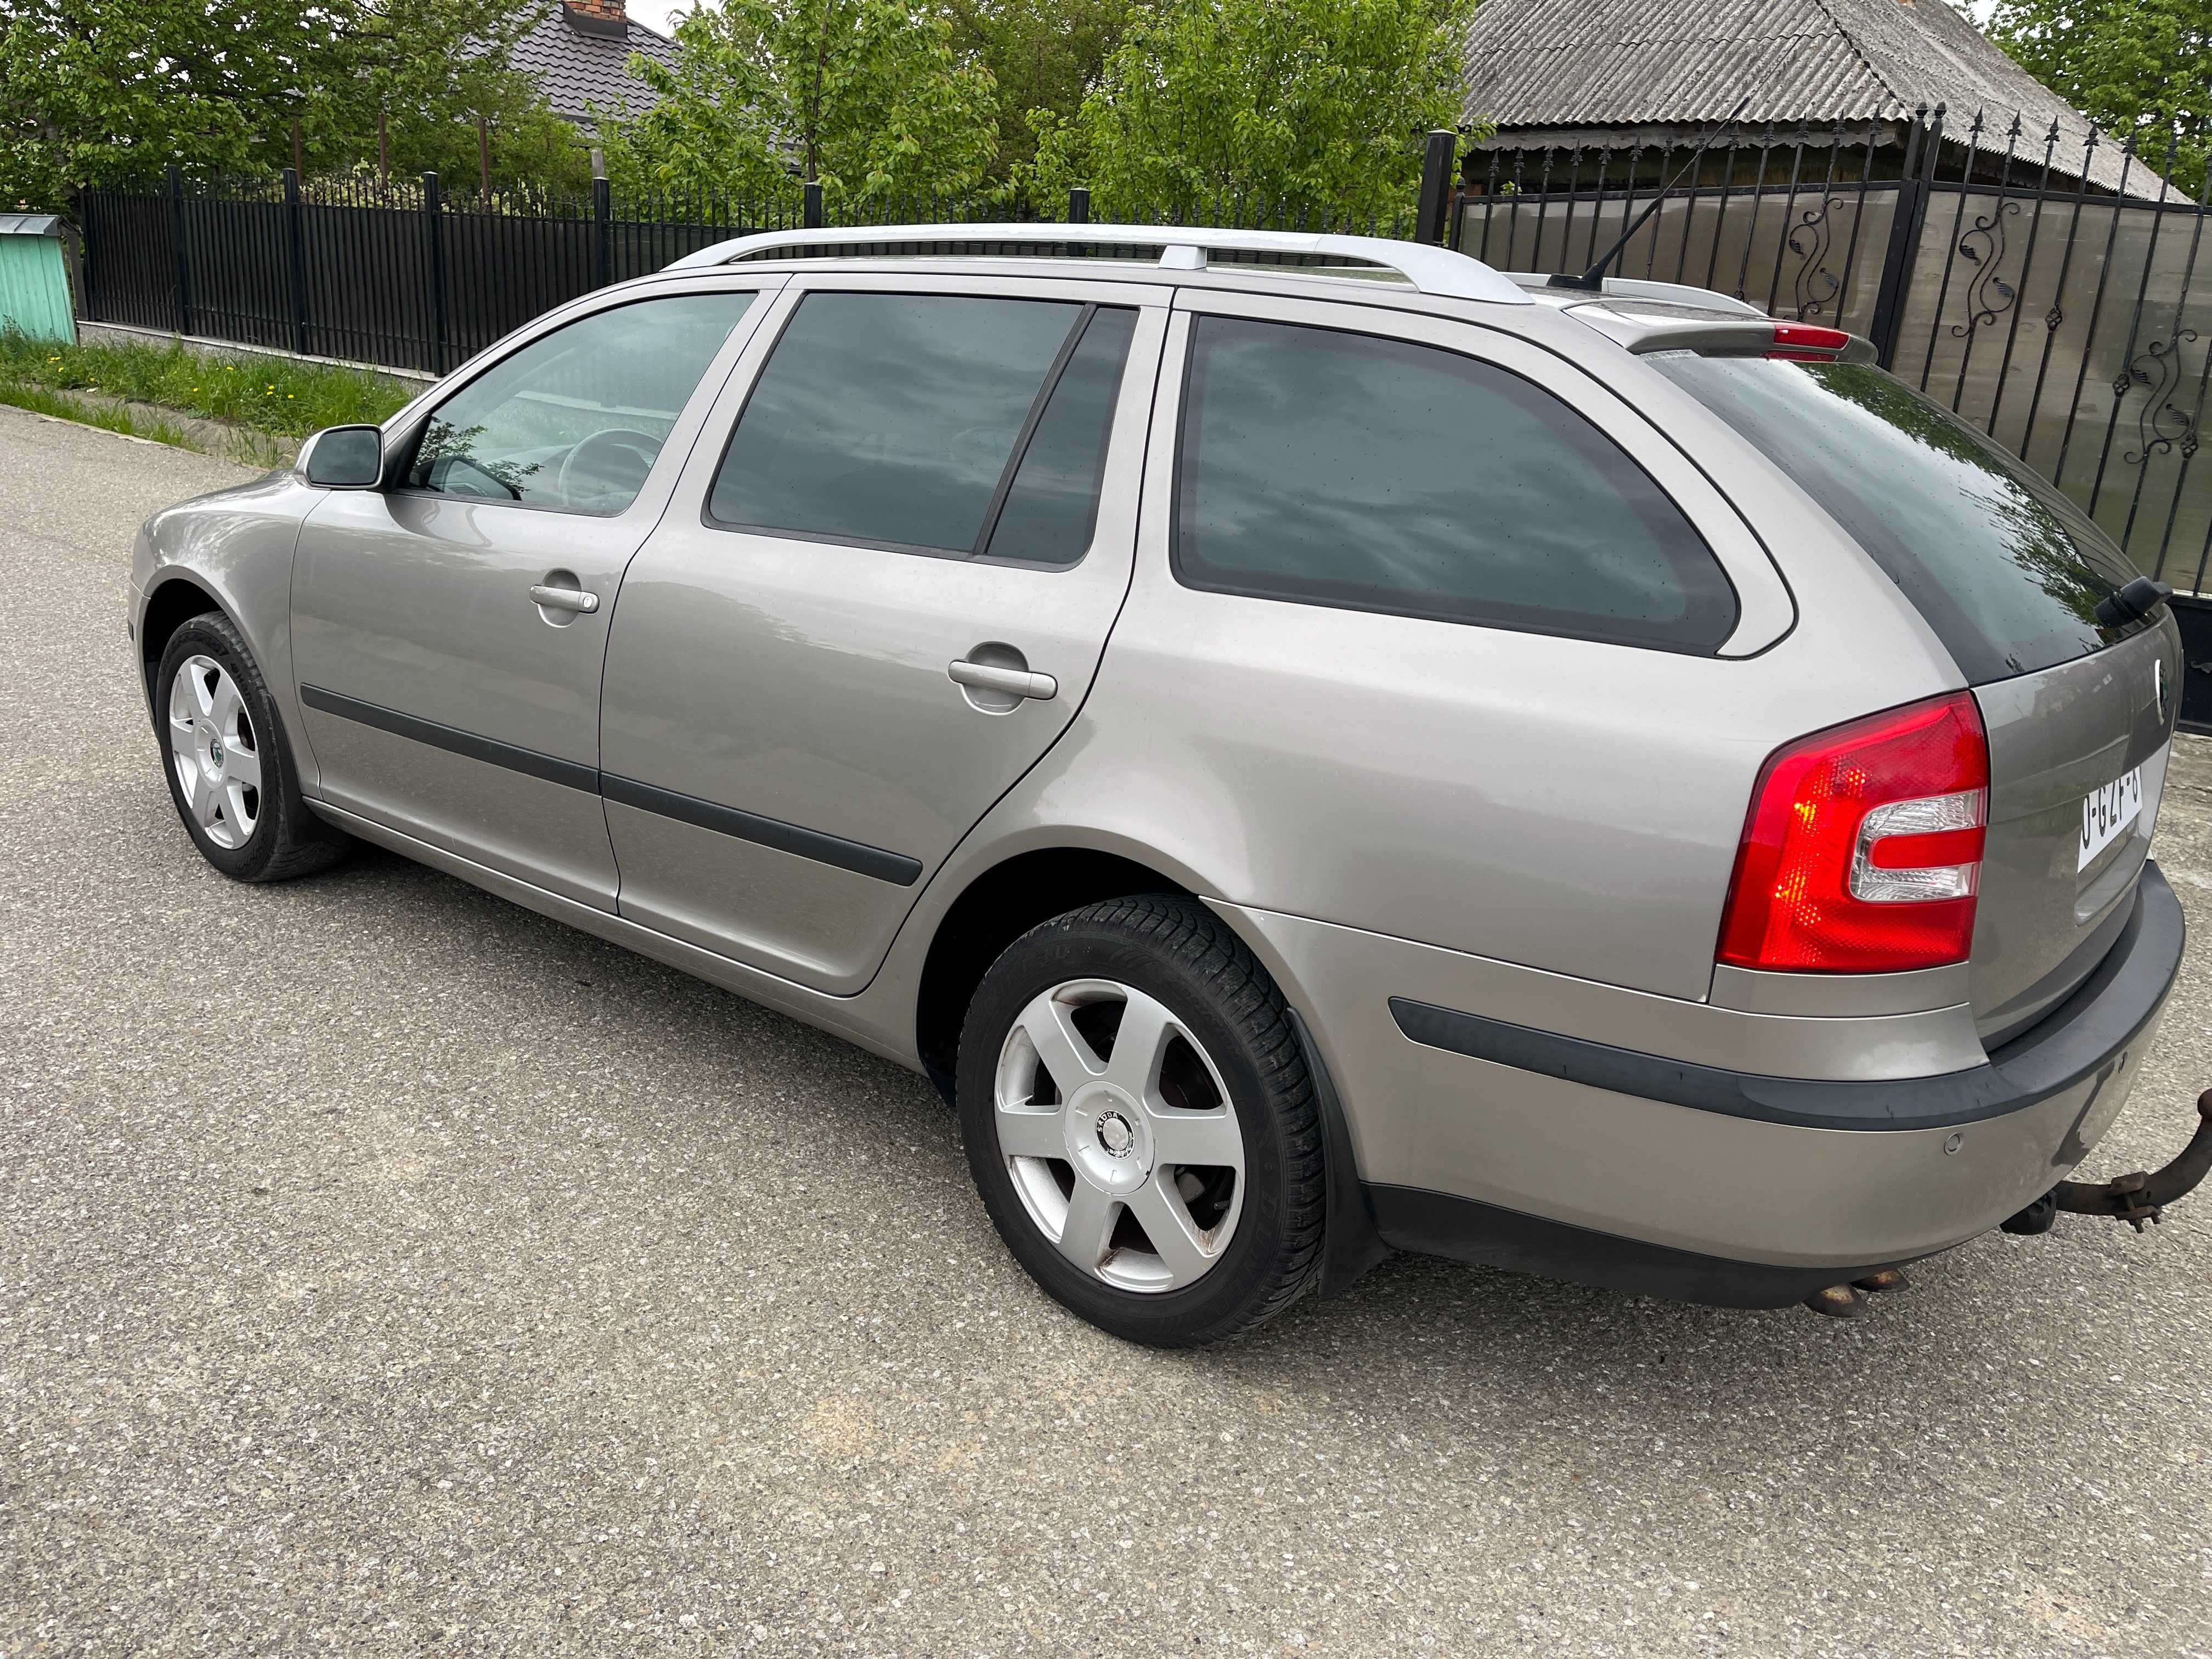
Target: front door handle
<point>565,598</point>
<point>1012,682</point>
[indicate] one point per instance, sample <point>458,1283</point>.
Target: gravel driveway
<point>384,1269</point>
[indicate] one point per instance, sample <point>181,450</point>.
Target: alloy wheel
<point>1120,1135</point>
<point>216,752</point>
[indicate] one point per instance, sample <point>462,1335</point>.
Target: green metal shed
<point>34,285</point>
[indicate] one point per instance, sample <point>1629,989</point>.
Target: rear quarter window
<point>2007,571</point>
<point>1323,467</point>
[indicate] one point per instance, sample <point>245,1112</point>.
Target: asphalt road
<point>384,1269</point>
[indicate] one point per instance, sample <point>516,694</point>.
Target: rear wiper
<point>2132,602</point>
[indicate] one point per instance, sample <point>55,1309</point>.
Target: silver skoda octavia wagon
<point>1314,744</point>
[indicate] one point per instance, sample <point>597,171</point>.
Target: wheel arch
<point>174,601</point>
<point>997,906</point>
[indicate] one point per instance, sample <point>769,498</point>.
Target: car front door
<point>449,629</point>
<point>874,608</point>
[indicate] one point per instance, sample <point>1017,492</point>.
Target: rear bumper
<point>1500,1143</point>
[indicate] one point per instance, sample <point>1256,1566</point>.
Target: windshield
<point>2007,571</point>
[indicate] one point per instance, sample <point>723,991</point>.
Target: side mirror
<point>345,458</point>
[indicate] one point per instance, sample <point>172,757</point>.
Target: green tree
<point>104,92</point>
<point>867,97</point>
<point>96,91</point>
<point>2138,66</point>
<point>433,90</point>
<point>1310,108</point>
<point>1044,55</point>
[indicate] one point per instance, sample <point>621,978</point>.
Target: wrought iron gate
<point>2040,294</point>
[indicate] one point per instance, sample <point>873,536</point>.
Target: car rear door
<point>442,697</point>
<point>879,595</point>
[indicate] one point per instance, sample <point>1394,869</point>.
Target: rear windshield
<point>2007,571</point>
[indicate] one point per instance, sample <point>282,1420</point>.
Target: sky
<point>658,14</point>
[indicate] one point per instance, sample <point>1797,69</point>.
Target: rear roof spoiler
<point>1635,288</point>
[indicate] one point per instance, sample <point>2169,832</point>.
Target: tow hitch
<point>2139,1199</point>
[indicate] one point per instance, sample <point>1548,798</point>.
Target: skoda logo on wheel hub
<point>215,750</point>
<point>1116,1135</point>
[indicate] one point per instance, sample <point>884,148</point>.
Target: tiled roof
<point>1623,62</point>
<point>576,68</point>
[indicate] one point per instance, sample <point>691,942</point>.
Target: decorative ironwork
<point>1986,246</point>
<point>2162,425</point>
<point>1808,240</point>
<point>2052,318</point>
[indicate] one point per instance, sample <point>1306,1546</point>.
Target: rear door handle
<point>1014,682</point>
<point>565,598</point>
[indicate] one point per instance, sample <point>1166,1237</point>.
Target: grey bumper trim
<point>2076,1040</point>
<point>1467,1229</point>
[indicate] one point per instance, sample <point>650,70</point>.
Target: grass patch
<point>269,394</point>
<point>251,445</point>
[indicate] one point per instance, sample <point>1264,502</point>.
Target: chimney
<point>608,18</point>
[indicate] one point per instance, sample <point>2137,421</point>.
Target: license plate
<point>2106,814</point>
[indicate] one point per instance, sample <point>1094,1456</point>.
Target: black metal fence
<point>404,275</point>
<point>398,274</point>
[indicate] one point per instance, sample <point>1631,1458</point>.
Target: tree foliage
<point>1044,55</point>
<point>867,97</point>
<point>2139,67</point>
<point>1306,107</point>
<point>102,92</point>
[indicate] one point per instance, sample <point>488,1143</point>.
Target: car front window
<point>574,420</point>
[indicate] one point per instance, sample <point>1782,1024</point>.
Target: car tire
<point>229,766</point>
<point>1207,1135</point>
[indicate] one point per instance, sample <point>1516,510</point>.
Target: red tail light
<point>1803,343</point>
<point>1864,847</point>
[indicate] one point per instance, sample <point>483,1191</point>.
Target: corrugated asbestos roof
<point>576,69</point>
<point>1553,64</point>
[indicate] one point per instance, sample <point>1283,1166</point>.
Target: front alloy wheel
<point>230,770</point>
<point>215,753</point>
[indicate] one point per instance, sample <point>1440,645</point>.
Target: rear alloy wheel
<point>1118,1133</point>
<point>230,770</point>
<point>1140,1123</point>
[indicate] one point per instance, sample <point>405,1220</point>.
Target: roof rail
<point>1437,270</point>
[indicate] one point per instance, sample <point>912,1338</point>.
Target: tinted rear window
<point>1342,469</point>
<point>2006,570</point>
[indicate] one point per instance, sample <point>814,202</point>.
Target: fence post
<point>434,215</point>
<point>1436,184</point>
<point>296,235</point>
<point>811,214</point>
<point>81,201</point>
<point>603,233</point>
<point>1922,150</point>
<point>1079,204</point>
<point>177,245</point>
